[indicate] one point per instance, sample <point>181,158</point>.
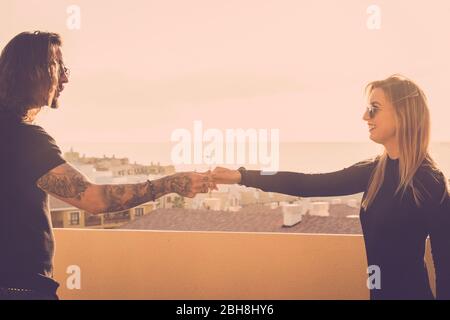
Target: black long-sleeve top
<point>395,229</point>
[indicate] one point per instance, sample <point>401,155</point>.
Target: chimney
<point>320,208</point>
<point>211,204</point>
<point>292,214</point>
<point>354,203</point>
<point>336,201</point>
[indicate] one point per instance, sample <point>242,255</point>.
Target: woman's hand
<point>225,176</point>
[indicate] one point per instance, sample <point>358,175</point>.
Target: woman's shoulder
<point>429,177</point>
<point>430,172</point>
<point>368,163</point>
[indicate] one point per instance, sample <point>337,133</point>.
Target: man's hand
<point>187,184</point>
<point>226,176</point>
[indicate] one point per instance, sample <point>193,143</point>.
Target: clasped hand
<point>189,184</point>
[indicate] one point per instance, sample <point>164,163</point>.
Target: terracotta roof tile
<point>255,218</point>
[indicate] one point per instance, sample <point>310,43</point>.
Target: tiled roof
<point>255,218</point>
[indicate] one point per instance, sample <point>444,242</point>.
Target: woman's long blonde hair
<point>412,134</point>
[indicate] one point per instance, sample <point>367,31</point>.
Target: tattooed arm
<point>71,186</point>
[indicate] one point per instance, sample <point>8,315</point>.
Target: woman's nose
<point>365,116</point>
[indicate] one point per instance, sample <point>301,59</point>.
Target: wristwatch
<point>241,170</point>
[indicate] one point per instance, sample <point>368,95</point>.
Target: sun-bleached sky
<point>141,69</point>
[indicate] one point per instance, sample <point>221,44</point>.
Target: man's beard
<point>55,103</point>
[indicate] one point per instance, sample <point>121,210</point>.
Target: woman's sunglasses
<point>372,111</point>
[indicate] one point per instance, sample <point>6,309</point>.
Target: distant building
<point>116,167</point>
<point>64,215</point>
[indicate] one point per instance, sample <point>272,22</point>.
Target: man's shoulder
<point>27,139</point>
<point>11,124</point>
<point>33,127</point>
<point>34,133</point>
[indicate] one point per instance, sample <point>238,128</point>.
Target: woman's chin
<point>373,138</point>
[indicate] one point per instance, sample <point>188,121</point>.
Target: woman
<point>406,197</point>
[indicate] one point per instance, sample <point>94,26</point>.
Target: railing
<point>107,220</point>
<point>58,224</point>
<point>121,264</point>
<point>93,221</point>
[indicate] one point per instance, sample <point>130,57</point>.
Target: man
<point>33,75</point>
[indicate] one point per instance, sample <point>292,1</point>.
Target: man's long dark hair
<point>25,77</point>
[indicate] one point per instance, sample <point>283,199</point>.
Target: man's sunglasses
<point>64,70</point>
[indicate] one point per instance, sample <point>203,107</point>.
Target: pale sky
<point>141,69</point>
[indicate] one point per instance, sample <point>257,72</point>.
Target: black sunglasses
<point>372,111</point>
<point>63,69</point>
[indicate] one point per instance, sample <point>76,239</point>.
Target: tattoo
<point>180,183</point>
<point>66,185</point>
<point>69,183</point>
<point>123,197</point>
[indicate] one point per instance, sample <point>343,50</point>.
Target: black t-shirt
<point>395,229</point>
<point>26,237</point>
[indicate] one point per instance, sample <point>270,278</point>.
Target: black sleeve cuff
<point>249,177</point>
